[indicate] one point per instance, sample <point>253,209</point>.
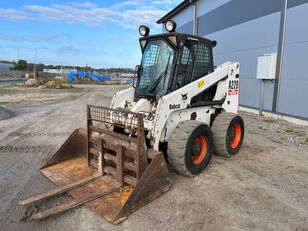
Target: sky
<point>94,33</point>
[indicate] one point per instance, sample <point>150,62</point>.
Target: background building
<point>59,71</point>
<point>6,66</point>
<point>248,29</point>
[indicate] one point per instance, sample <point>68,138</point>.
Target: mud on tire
<point>190,147</point>
<point>228,132</point>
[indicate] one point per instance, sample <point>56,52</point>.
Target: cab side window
<point>196,62</point>
<point>203,62</point>
<point>187,63</point>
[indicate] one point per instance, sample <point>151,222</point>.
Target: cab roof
<point>177,34</point>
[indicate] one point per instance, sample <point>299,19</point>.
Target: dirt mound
<point>6,114</point>
<point>31,82</point>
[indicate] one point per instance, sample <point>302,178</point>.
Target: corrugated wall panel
<point>184,20</point>
<point>244,43</point>
<point>246,29</point>
<point>293,99</point>
<point>206,6</point>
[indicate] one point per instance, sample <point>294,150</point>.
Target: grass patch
<point>300,133</point>
<point>97,83</point>
<point>306,139</point>
<point>264,129</point>
<point>55,86</point>
<point>3,103</point>
<point>87,82</point>
<point>113,83</point>
<point>289,130</point>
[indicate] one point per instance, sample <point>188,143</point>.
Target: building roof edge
<point>176,10</point>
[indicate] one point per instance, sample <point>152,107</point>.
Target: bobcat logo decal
<point>184,96</point>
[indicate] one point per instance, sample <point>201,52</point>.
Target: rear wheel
<point>190,147</point>
<point>228,132</point>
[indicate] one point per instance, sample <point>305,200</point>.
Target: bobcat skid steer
<point>180,108</point>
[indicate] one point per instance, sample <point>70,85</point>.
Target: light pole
<point>34,63</point>
<point>281,42</point>
<point>17,54</point>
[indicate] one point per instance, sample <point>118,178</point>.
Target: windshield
<point>157,62</point>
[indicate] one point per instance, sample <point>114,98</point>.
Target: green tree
<point>21,65</point>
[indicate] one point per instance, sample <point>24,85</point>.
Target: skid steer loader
<point>180,108</point>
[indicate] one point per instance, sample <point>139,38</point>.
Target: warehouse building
<point>268,37</point>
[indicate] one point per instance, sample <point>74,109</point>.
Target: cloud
<point>51,37</point>
<point>73,15</point>
<point>168,3</point>
<point>77,42</point>
<point>47,37</point>
<point>129,38</point>
<point>125,4</point>
<point>14,15</point>
<point>11,37</point>
<point>141,15</point>
<point>83,5</point>
<point>127,14</point>
<point>69,50</point>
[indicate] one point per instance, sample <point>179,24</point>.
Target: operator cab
<point>170,61</point>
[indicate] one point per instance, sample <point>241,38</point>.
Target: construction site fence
<point>11,74</point>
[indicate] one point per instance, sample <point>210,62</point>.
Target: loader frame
<point>118,153</point>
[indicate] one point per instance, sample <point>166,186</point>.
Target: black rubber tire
<point>180,146</point>
<point>221,128</point>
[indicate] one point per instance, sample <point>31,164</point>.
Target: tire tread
<point>219,129</point>
<point>177,144</point>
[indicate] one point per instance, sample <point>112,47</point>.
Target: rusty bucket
<point>105,169</point>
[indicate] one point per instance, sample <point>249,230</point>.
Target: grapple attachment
<point>107,167</point>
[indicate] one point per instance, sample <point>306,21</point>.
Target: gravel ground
<point>13,96</point>
<point>263,187</point>
<point>6,113</point>
<point>279,131</point>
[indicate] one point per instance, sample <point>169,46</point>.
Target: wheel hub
<point>196,149</point>
<point>232,134</point>
<point>235,135</point>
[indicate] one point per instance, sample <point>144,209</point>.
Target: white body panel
<point>198,113</point>
<point>121,98</point>
<point>161,119</point>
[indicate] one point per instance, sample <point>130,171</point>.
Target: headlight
<point>170,26</point>
<point>144,30</point>
<point>214,43</point>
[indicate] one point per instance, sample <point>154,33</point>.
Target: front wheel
<point>190,147</point>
